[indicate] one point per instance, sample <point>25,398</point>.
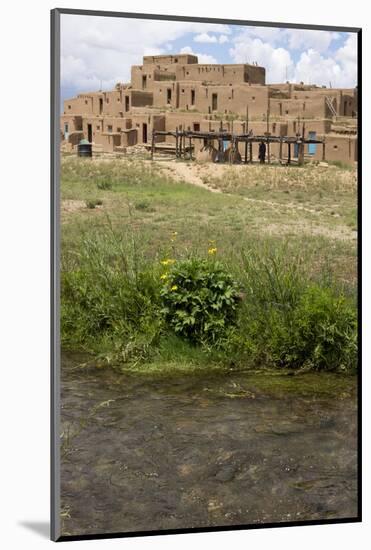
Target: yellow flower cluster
<point>212,250</point>
<point>169,261</point>
<point>174,287</point>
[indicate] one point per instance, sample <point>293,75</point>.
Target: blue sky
<point>97,52</point>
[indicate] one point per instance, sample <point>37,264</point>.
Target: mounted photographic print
<point>205,192</point>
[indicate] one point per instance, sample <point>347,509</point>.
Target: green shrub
<point>144,205</point>
<point>200,300</point>
<point>289,321</point>
<point>92,203</point>
<point>104,185</point>
<point>323,332</point>
<point>109,300</point>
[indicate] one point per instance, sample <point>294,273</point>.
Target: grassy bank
<point>158,274</point>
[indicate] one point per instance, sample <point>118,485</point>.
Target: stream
<point>149,453</point>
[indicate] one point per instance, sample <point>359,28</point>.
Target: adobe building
<point>171,93</point>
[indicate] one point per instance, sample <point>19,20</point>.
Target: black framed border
<point>55,276</point>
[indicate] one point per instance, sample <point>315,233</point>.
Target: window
<point>144,82</point>
<point>182,90</point>
<point>86,101</point>
<point>287,112</point>
<point>253,98</point>
<point>69,106</point>
<point>168,95</point>
<point>214,102</point>
<point>119,129</point>
<point>126,103</point>
<point>193,95</point>
<point>66,128</point>
<point>196,127</point>
<point>109,128</point>
<point>98,127</point>
<point>335,146</point>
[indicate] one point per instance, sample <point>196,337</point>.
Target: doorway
<point>90,133</point>
<point>214,102</point>
<point>144,133</point>
<point>100,105</point>
<point>312,147</point>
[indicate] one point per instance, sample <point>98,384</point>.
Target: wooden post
<point>289,153</point>
<point>280,149</point>
<point>323,151</point>
<point>250,147</point>
<point>176,143</point>
<point>190,148</point>
<point>152,144</point>
<point>301,154</point>
<point>268,150</point>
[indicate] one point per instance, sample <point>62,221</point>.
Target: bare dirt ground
<point>198,174</point>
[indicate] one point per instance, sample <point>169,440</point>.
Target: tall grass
<point>112,305</point>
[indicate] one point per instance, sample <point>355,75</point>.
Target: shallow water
<point>142,454</point>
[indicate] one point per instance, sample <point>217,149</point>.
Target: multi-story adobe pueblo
<point>175,92</point>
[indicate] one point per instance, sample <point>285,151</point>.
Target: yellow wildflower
<point>174,287</point>
<point>164,276</point>
<point>212,251</point>
<point>168,262</point>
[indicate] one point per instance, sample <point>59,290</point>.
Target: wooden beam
<point>289,153</point>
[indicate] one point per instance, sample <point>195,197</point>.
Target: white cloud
<point>223,39</point>
<point>277,50</point>
<point>205,38</point>
<point>270,34</point>
<point>277,61</point>
<point>202,57</point>
<point>313,68</point>
<point>104,48</point>
<point>306,39</point>
<point>347,58</point>
<point>292,39</point>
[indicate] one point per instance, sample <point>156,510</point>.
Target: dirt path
<point>195,174</point>
<point>189,173</point>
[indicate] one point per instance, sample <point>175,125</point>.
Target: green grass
<point>111,257</point>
